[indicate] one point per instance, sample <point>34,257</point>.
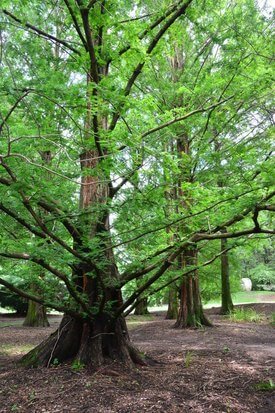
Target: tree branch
<point>63,277</point>
<point>39,300</point>
<point>185,272</point>
<point>40,32</point>
<point>22,222</point>
<point>149,29</point>
<point>149,50</point>
<point>12,109</point>
<point>186,116</point>
<point>76,25</point>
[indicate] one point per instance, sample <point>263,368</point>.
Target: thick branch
<point>197,237</point>
<point>76,25</point>
<point>149,29</point>
<point>54,271</point>
<point>39,300</point>
<point>21,221</point>
<point>40,32</point>
<point>184,273</point>
<point>90,42</point>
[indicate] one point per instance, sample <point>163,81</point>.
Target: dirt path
<point>215,370</point>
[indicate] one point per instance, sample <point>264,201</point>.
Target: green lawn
<point>243,297</point>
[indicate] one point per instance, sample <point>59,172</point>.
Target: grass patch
<point>245,297</point>
<point>188,358</point>
<point>136,320</point>
<point>265,385</point>
<point>11,323</point>
<point>246,314</point>
<point>15,349</point>
<point>272,319</point>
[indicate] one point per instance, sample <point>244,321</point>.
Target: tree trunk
<point>227,304</point>
<point>141,308</point>
<point>172,311</point>
<point>92,344</point>
<point>36,316</point>
<point>92,339</point>
<point>190,310</point>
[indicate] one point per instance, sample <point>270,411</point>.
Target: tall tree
<point>89,105</point>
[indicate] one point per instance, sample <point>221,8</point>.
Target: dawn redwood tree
<point>86,105</point>
<point>97,329</point>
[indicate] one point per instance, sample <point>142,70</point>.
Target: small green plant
<point>265,385</point>
<point>272,322</point>
<point>226,349</point>
<point>243,314</point>
<point>32,395</point>
<point>188,358</point>
<point>14,408</point>
<point>55,362</point>
<point>77,365</point>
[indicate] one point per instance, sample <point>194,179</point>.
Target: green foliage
<point>12,301</point>
<point>55,362</point>
<point>272,322</point>
<point>265,385</point>
<point>242,314</point>
<point>77,365</point>
<point>263,277</point>
<point>226,349</point>
<point>189,356</point>
<point>126,123</point>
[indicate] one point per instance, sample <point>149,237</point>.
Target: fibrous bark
<point>36,315</point>
<point>190,310</point>
<point>142,307</point>
<point>172,311</point>
<point>227,303</point>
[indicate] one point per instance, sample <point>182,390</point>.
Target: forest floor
<point>224,369</point>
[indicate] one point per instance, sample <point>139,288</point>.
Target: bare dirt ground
<point>214,370</point>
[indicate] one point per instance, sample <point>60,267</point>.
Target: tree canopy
<point>130,133</point>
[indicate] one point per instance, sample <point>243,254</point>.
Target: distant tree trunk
<point>190,310</point>
<point>172,311</point>
<point>36,316</point>
<point>227,304</point>
<point>142,307</point>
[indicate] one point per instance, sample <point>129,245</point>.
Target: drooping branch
<point>45,303</point>
<point>49,207</point>
<point>61,276</point>
<point>184,273</point>
<point>22,222</point>
<point>197,237</point>
<point>40,32</point>
<point>55,209</point>
<point>26,203</point>
<point>45,229</point>
<point>240,217</point>
<point>181,219</point>
<point>171,259</point>
<point>186,116</point>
